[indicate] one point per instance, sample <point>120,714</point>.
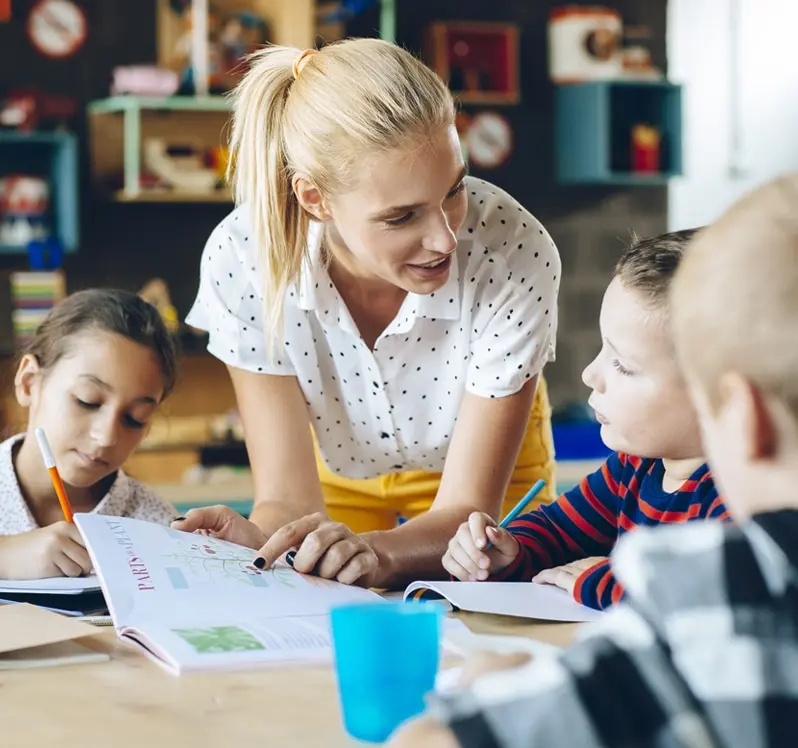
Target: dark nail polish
<point>259,562</point>
<point>178,519</point>
<point>289,558</point>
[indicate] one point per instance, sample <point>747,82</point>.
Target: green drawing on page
<point>219,639</point>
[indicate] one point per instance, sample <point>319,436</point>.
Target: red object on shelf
<point>645,149</point>
<point>5,10</point>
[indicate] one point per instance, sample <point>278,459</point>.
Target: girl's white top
<point>125,498</point>
<point>488,330</point>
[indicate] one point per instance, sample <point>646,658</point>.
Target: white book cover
<point>195,603</point>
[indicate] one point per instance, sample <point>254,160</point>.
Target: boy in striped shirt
<point>657,473</point>
<point>703,652</point>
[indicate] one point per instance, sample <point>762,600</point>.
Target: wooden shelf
<point>120,125</point>
<point>120,104</point>
<point>292,22</point>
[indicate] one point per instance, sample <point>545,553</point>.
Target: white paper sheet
<point>521,599</point>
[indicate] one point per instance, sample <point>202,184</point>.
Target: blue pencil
<point>520,506</point>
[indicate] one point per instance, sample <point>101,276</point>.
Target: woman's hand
<point>223,523</point>
<point>328,549</point>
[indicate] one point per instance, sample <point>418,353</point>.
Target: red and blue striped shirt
<point>626,492</point>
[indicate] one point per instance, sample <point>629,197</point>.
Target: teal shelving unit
<point>118,125</point>
<point>593,124</point>
<point>53,155</point>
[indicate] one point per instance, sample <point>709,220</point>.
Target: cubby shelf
<point>593,124</point>
<point>54,156</point>
<point>119,124</point>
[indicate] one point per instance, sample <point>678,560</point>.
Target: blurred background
<point>604,121</point>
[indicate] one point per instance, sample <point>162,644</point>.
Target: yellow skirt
<point>377,503</point>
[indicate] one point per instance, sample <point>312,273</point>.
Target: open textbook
<point>522,599</point>
<point>195,603</point>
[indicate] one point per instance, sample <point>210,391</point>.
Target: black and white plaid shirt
<point>703,655</point>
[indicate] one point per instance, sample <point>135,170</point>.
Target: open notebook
<point>194,603</point>
<point>66,595</point>
<point>522,599</point>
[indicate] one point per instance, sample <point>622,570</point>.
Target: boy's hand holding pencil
<point>480,547</point>
<point>469,557</point>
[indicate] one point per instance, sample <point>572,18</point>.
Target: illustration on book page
<point>196,560</point>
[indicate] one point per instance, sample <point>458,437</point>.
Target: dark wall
<point>121,244</point>
<point>589,224</point>
<point>125,245</point>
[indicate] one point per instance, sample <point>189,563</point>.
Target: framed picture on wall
<point>479,61</point>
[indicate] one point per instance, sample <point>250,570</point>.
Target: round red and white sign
<point>57,28</point>
<point>489,139</point>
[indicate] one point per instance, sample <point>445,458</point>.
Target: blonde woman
<point>384,318</point>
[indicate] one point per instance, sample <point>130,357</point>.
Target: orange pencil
<point>58,484</point>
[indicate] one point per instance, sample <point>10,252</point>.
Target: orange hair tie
<point>302,60</point>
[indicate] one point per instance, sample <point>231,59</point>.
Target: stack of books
<point>33,295</point>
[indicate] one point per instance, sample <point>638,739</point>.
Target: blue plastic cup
<point>386,660</point>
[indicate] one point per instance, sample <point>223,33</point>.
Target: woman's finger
<point>205,518</point>
<point>360,567</point>
<point>335,556</point>
<point>290,536</point>
<point>316,544</point>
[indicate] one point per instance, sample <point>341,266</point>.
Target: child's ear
<point>26,378</point>
<point>752,416</point>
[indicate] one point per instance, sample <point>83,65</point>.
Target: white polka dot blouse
<point>488,330</point>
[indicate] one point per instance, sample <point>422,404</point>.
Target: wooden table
<point>131,703</point>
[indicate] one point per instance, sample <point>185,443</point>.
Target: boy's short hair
<point>735,298</point>
<point>649,265</point>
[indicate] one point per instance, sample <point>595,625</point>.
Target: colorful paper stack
<point>33,295</point>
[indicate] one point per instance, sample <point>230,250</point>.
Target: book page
<point>222,643</point>
<point>522,599</point>
<point>218,642</point>
<point>151,573</point>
